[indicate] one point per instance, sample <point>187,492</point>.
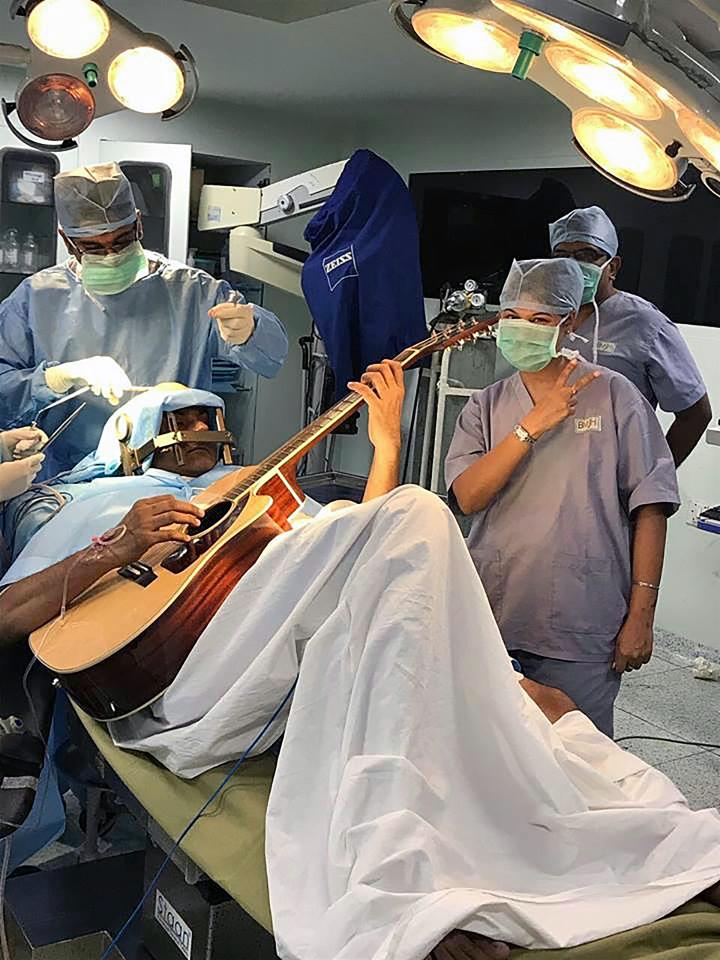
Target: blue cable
<point>231,773</point>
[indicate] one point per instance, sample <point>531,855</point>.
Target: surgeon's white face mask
<point>112,273</point>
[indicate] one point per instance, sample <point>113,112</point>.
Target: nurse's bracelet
<point>650,586</point>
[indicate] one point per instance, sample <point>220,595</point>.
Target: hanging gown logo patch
<point>340,266</point>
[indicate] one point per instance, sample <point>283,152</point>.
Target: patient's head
<point>197,458</point>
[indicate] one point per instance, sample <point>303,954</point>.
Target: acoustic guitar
<point>122,642</point>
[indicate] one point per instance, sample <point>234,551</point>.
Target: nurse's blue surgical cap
<point>545,286</point>
<point>586,225</point>
<point>92,201</point>
<point>144,412</point>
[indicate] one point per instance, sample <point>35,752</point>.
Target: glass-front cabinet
<point>28,222</point>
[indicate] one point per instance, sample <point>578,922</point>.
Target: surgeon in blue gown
<point>115,315</point>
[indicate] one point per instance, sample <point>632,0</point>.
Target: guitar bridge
<point>139,573</point>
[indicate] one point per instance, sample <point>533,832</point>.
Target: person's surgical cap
<point>92,201</point>
<point>545,286</point>
<point>586,225</point>
<point>145,412</point>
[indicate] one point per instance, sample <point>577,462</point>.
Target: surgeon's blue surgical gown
<point>158,330</point>
<point>553,547</point>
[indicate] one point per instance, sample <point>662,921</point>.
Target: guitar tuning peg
<point>461,345</point>
<point>476,335</point>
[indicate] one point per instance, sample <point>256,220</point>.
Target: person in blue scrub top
<point>631,335</point>
<point>570,480</point>
<point>115,315</point>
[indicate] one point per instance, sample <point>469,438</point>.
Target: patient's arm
<point>383,388</point>
<point>553,703</point>
<point>31,602</point>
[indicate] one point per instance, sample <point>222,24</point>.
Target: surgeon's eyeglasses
<point>115,245</point>
<point>583,255</point>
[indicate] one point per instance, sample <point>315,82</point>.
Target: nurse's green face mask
<point>112,273</point>
<point>527,346</point>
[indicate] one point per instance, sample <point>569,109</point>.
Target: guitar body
<point>122,642</point>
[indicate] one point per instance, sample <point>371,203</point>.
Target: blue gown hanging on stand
<point>362,280</point>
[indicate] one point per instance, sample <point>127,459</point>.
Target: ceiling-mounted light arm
<point>8,109</point>
<point>599,24</point>
<point>189,69</point>
<point>13,55</point>
<point>20,8</point>
<point>678,193</point>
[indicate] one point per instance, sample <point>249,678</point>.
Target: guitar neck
<point>297,446</point>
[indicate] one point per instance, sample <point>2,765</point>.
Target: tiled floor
<point>665,700</point>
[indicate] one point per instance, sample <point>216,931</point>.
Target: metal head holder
<point>132,458</point>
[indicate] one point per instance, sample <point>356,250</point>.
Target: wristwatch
<point>522,434</point>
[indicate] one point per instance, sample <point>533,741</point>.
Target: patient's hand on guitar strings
<point>155,520</point>
<point>29,603</point>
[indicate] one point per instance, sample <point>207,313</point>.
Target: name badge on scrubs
<point>588,424</point>
<point>605,346</point>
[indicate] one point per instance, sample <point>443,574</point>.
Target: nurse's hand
<point>152,520</point>
<point>634,645</point>
<point>21,442</point>
<point>103,375</point>
<point>559,404</point>
<point>16,477</point>
<point>236,321</point>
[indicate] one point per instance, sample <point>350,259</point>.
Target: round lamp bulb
<point>625,150</point>
<point>68,29</point>
<point>55,107</point>
<point>469,40</point>
<point>146,79</point>
<point>603,82</point>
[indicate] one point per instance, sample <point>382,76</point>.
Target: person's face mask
<point>527,346</point>
<point>593,275</point>
<point>112,273</point>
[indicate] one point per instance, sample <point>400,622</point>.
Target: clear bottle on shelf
<point>11,250</point>
<point>29,255</point>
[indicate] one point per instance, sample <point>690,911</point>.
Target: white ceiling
<point>354,58</point>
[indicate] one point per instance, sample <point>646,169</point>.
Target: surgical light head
<point>544,286</point>
<point>93,201</point>
<point>589,225</point>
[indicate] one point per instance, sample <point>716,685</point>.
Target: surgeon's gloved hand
<point>103,375</point>
<point>20,443</point>
<point>16,477</point>
<point>236,321</point>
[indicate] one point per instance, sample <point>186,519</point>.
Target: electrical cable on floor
<point>684,743</point>
<point>176,845</point>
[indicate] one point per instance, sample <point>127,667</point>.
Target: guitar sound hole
<point>216,520</point>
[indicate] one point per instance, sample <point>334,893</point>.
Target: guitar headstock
<point>452,335</point>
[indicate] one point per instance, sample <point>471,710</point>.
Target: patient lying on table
<point>419,789</point>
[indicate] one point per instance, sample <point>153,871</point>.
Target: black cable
<point>684,743</point>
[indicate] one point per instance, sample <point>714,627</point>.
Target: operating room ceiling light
<point>68,29</point>
<point>703,135</point>
<point>603,82</point>
<point>55,106</point>
<point>470,40</point>
<point>625,150</point>
<point>86,61</point>
<point>146,79</point>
